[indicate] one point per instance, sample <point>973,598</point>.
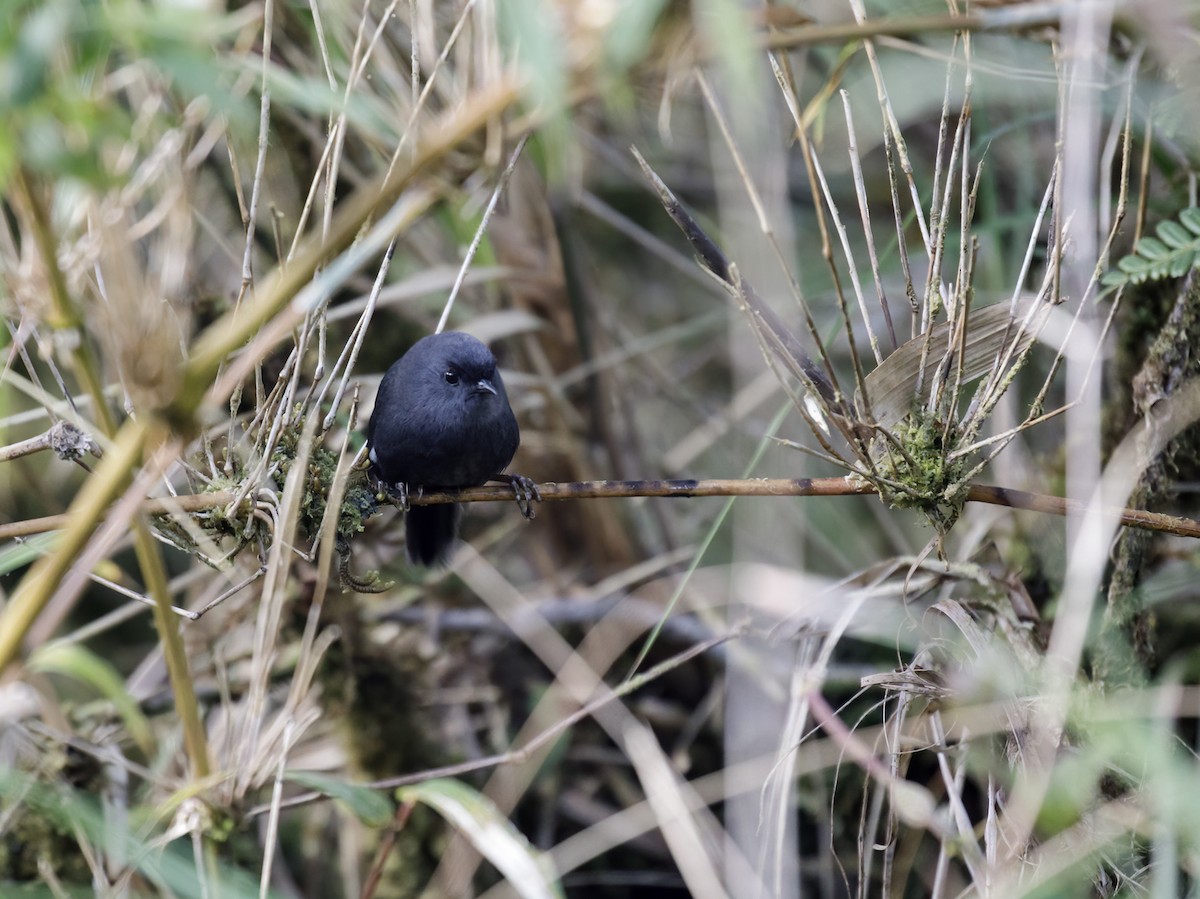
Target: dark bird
<point>442,420</point>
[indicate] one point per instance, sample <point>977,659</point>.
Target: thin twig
<point>860,191</point>
<point>782,340</point>
<point>480,231</point>
<point>349,354</point>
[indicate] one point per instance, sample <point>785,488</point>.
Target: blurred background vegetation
<point>223,221</point>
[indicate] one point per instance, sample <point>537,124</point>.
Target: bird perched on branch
<point>442,420</point>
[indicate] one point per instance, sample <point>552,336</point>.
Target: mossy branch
<point>677,488</point>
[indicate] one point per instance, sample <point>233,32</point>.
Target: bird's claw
<point>396,494</point>
<point>525,491</point>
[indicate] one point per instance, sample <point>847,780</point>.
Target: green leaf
<point>1174,234</point>
<point>1172,254</point>
<point>1134,265</point>
<point>370,806</point>
<point>1191,218</point>
<point>478,819</point>
<point>1151,248</point>
<point>81,664</point>
<point>1182,262</point>
<point>18,555</point>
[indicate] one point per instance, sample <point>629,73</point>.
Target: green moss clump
<point>358,504</point>
<point>916,471</point>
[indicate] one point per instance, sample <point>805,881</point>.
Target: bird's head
<point>466,369</point>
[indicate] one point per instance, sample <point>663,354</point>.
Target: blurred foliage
<point>53,56</point>
<point>135,126</point>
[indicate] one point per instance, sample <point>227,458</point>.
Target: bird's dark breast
<point>462,453</point>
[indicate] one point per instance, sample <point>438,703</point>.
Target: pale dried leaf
<point>892,386</point>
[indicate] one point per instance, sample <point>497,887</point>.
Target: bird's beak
<point>483,385</point>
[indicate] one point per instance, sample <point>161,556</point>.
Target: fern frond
<point>1171,254</point>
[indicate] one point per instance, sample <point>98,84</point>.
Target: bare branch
<point>678,488</point>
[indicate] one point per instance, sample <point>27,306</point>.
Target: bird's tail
<point>429,532</point>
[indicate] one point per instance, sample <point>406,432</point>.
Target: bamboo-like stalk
<point>147,551</point>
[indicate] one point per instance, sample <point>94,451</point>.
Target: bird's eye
<point>451,377</point>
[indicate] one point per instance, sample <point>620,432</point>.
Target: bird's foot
<point>396,494</point>
<point>524,489</point>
